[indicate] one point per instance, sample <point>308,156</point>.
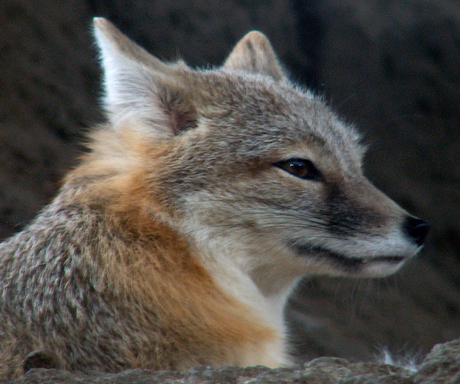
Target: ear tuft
<point>255,54</point>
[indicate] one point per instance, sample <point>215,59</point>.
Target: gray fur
<point>68,293</point>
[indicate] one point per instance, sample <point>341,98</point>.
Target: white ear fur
<point>132,80</point>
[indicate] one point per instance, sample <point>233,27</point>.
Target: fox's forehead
<point>265,115</point>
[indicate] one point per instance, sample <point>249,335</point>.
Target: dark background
<point>392,67</point>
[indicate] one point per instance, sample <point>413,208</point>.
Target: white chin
<point>377,269</point>
<point>363,269</point>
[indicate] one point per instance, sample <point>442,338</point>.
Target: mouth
<point>349,263</point>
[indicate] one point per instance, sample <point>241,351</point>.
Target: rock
<point>441,366</point>
<point>320,371</point>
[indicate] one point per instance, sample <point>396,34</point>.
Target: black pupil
<point>299,168</point>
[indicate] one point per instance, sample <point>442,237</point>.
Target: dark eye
<point>301,168</point>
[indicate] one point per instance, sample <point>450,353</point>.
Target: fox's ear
<point>140,89</point>
<point>254,53</point>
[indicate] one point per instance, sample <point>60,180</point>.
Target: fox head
<point>255,172</point>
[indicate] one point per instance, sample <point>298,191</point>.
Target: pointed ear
<point>140,89</point>
<point>254,53</point>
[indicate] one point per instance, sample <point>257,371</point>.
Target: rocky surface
<point>392,67</point>
<point>441,366</point>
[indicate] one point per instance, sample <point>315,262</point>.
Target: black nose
<point>416,229</point>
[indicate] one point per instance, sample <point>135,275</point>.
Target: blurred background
<point>392,67</point>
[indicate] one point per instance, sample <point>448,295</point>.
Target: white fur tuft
<point>407,361</point>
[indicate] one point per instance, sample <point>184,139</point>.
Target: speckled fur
<point>171,244</point>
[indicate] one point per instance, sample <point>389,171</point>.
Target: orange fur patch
<point>154,265</point>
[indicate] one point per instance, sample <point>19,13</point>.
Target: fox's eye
<point>301,168</point>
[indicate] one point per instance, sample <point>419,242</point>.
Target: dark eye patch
<point>301,168</point>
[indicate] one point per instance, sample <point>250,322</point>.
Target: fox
<point>201,201</point>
